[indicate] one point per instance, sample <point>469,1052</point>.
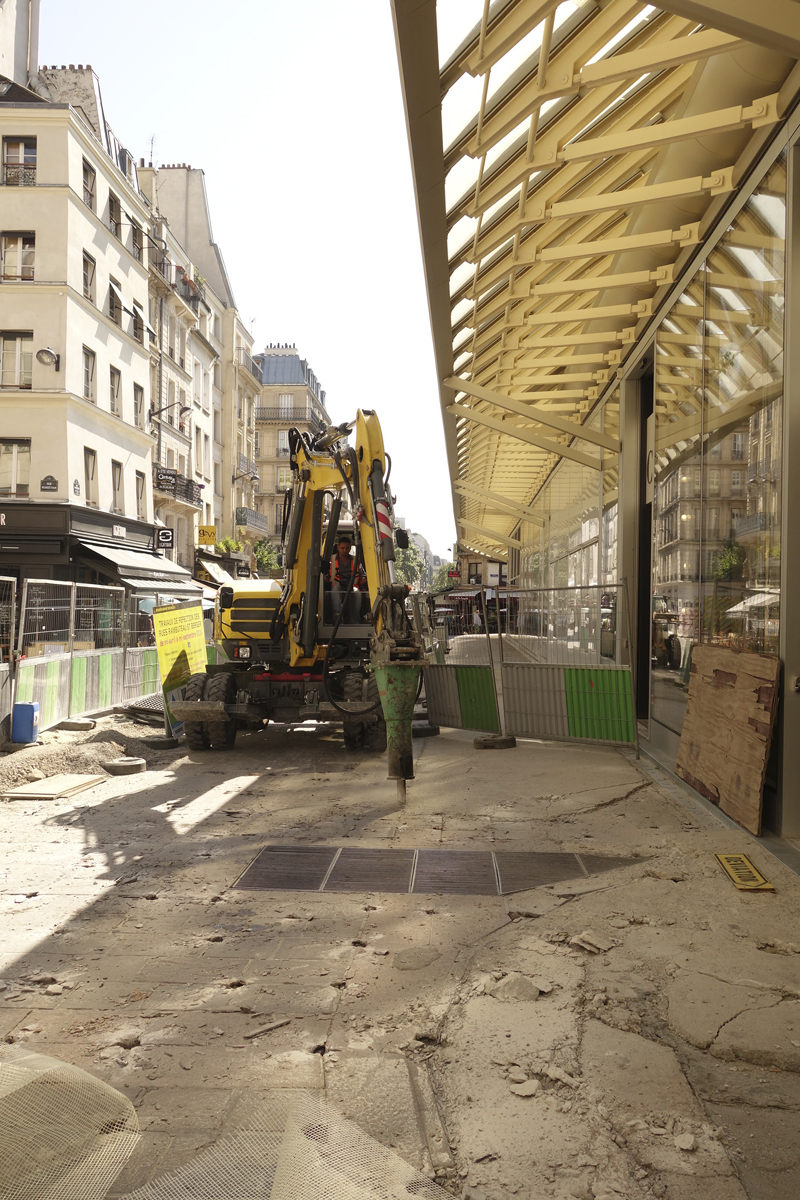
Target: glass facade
<point>718,402</point>
<point>576,543</point>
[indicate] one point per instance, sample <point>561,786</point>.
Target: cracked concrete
<point>668,1062</point>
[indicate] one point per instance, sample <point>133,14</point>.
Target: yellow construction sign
<point>743,874</point>
<point>181,646</point>
<point>206,535</point>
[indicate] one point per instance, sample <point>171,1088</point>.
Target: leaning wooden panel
<point>727,730</point>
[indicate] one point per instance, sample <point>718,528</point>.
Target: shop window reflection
<point>718,404</point>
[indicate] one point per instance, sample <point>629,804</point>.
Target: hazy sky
<point>295,114</point>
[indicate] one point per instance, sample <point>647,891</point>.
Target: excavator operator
<point>342,565</point>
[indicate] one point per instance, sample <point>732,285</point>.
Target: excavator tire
<point>221,734</point>
<point>366,732</point>
<point>353,727</point>
<point>196,732</point>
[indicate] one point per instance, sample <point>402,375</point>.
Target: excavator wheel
<point>366,732</point>
<point>221,734</point>
<point>196,732</point>
<point>353,728</point>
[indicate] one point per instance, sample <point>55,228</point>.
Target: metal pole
<point>23,606</point>
<point>624,587</point>
<point>491,657</point>
<point>72,598</point>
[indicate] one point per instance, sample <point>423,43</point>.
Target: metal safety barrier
<point>552,663</point>
<point>8,608</point>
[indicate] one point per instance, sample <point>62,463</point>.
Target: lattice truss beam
<point>568,215</point>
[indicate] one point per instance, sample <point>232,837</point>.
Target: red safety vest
<point>336,579</point>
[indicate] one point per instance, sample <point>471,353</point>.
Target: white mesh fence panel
<point>64,1135</point>
<point>294,1147</point>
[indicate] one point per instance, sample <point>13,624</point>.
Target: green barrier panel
<point>599,704</point>
<point>151,680</point>
<point>77,688</point>
<point>476,694</point>
<point>25,678</point>
<point>104,690</point>
<point>51,679</point>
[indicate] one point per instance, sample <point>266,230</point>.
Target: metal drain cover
<point>440,872</point>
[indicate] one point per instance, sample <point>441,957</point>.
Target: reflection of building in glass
<point>718,442</point>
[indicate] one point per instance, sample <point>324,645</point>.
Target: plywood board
<point>54,788</point>
<point>725,741</point>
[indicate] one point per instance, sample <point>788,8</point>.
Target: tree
<point>440,580</point>
<point>409,564</point>
<point>730,561</point>
<point>266,557</point>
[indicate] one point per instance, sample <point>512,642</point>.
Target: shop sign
<point>453,574</point>
<point>242,571</point>
<point>165,539</point>
<point>166,479</point>
<point>206,535</point>
<point>48,484</point>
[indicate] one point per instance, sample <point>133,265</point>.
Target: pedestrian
<point>477,623</point>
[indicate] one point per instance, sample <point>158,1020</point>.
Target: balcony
<point>245,465</point>
<point>245,360</point>
<point>248,518</point>
<point>291,416</point>
<point>754,523</point>
<point>168,482</point>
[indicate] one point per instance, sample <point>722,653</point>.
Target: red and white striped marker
<point>384,520</point>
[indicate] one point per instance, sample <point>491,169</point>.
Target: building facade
<point>290,396</point>
<point>74,343</point>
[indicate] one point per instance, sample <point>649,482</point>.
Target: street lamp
<point>48,358</point>
<point>155,412</point>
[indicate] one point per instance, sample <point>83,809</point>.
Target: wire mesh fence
<point>8,597</point>
<point>56,618</point>
<point>566,626</point>
<point>98,618</point>
<point>45,618</point>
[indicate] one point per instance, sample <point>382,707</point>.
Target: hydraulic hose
<point>348,712</point>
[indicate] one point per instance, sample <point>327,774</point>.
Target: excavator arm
<point>326,465</point>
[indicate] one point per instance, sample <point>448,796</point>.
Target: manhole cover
<point>441,872</point>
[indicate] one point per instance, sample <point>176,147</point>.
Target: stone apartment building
<point>127,392</point>
<point>75,441</point>
<point>222,368</point>
<point>290,395</point>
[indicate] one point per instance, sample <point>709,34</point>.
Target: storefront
<point>68,543</point>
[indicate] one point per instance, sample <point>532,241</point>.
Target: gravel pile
<point>62,752</point>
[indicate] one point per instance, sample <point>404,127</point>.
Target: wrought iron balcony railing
<point>250,519</point>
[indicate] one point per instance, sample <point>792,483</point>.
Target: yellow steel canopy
<point>568,160</point>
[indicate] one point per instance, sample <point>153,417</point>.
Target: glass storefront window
<point>718,409</point>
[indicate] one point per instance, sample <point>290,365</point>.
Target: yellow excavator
<point>309,650</point>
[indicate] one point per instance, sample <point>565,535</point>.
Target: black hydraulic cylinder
<point>313,573</point>
<point>330,536</point>
<point>295,526</point>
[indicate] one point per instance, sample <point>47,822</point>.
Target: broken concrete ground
<point>630,1035</point>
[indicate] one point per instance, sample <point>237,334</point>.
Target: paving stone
<point>699,1005</point>
<point>374,1090</point>
<point>769,1039</point>
<point>184,1110</point>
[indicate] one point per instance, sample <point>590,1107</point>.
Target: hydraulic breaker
<point>398,683</point>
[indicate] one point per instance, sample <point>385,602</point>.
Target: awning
<point>168,587</point>
<point>758,600</point>
<point>218,573</point>
<point>138,562</point>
